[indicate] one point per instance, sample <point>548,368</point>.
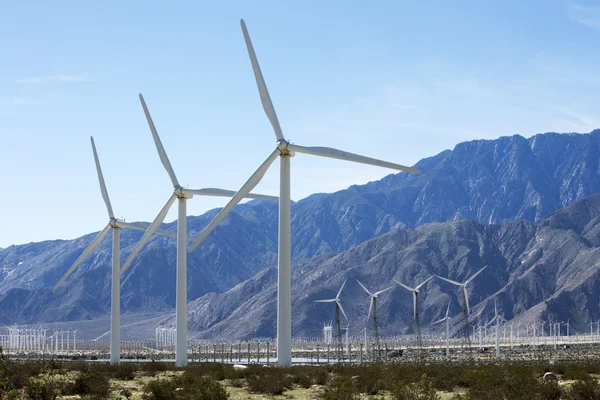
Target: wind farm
<point>411,252</point>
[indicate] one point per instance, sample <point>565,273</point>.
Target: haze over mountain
<point>483,181</point>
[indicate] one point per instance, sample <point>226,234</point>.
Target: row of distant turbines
<point>415,291</point>
<point>284,150</point>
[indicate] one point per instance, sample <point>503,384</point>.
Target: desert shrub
<point>41,389</point>
<point>160,389</point>
<point>369,380</point>
<point>340,389</point>
<point>90,383</point>
<point>499,383</point>
<point>124,371</point>
<point>583,390</point>
<point>215,371</point>
<point>201,388</point>
<point>576,372</point>
<point>153,367</point>
<point>237,383</point>
<point>268,380</point>
<point>186,387</point>
<point>306,376</point>
<point>423,390</point>
<point>550,391</point>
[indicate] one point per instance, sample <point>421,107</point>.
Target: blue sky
<point>394,80</point>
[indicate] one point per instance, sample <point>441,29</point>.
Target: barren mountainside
<point>483,181</point>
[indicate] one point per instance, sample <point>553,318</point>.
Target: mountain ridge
<point>488,181</point>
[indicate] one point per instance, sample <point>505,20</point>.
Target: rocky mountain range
<point>535,270</point>
<point>476,184</point>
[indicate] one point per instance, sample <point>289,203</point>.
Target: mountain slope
<point>549,268</point>
<point>487,181</point>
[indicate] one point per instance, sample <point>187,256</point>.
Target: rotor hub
<point>282,146</point>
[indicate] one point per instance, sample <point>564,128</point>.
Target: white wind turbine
<point>181,195</point>
<point>463,287</point>
<point>284,150</point>
<point>116,225</point>
<point>447,320</point>
<point>415,292</point>
<point>338,308</point>
<point>373,307</point>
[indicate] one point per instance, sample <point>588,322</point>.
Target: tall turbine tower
<point>285,151</point>
<point>415,292</point>
<point>116,225</point>
<point>447,320</point>
<point>373,308</point>
<point>181,195</point>
<point>338,308</point>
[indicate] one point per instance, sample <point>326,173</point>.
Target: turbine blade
<point>159,146</point>
<point>339,303</point>
<point>450,281</point>
<point>243,192</point>
<point>474,275</point>
<point>227,193</point>
<point>382,291</point>
<point>325,301</point>
<point>448,309</point>
<point>265,98</point>
<point>363,286</point>
<point>101,181</point>
<point>149,232</point>
<point>419,286</point>
<point>142,226</point>
<point>439,320</point>
<point>340,291</point>
<point>404,286</point>
<point>91,247</point>
<point>344,155</point>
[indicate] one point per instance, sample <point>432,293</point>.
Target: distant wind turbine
<point>338,308</point>
<point>373,308</point>
<point>446,319</point>
<point>415,292</point>
<point>463,286</point>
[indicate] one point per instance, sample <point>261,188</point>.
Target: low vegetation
<point>50,379</point>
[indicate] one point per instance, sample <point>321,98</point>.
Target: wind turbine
<point>373,307</point>
<point>181,195</point>
<point>284,150</point>
<point>338,308</point>
<point>463,287</point>
<point>415,292</point>
<point>116,225</point>
<point>447,320</point>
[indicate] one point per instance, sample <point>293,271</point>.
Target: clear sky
<point>397,80</point>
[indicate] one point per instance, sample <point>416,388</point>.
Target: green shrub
<point>268,380</point>
<point>550,391</point>
<point>185,387</point>
<point>340,389</point>
<point>160,389</point>
<point>124,371</point>
<point>422,390</point>
<point>583,390</point>
<point>91,383</point>
<point>41,389</point>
